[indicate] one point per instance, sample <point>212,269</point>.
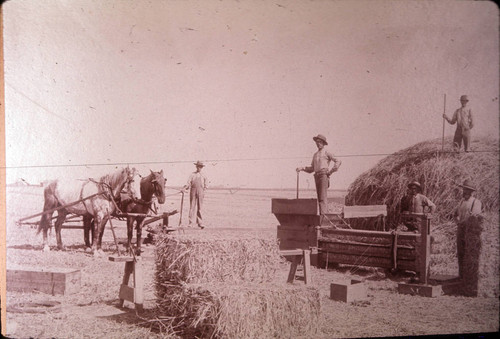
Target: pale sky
<point>241,85</point>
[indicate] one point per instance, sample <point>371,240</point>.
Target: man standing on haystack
<point>197,183</point>
<point>465,122</point>
<point>415,202</point>
<point>320,165</point>
<point>468,211</point>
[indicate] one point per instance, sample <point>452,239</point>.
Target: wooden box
<point>348,291</point>
<point>423,290</point>
<point>51,281</point>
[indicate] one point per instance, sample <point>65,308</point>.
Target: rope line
<point>233,160</point>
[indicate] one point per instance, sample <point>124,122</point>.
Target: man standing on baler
<point>320,166</point>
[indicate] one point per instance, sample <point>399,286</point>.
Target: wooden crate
<point>53,281</point>
<point>348,291</point>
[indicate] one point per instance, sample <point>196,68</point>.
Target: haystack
<point>438,172</point>
<point>242,311</point>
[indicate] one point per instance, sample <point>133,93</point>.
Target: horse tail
<point>50,202</point>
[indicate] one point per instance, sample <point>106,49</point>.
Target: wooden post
<point>133,294</point>
<point>114,235</point>
<point>297,185</point>
<point>444,112</point>
<point>293,268</point>
<point>307,266</point>
<point>425,248</point>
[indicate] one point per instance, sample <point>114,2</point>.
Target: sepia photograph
<point>249,168</point>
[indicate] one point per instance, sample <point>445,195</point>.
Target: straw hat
<point>199,164</point>
<point>468,184</point>
<point>320,137</point>
<point>414,183</point>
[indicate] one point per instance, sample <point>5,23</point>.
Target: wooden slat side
<point>365,211</point>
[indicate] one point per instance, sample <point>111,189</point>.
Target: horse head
<point>158,182</point>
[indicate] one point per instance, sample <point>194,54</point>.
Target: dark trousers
<point>460,247</point>
<point>322,183</point>
<point>459,136</point>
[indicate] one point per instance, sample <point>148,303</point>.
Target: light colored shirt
<point>466,208</point>
<point>197,181</point>
<point>463,118</point>
<point>321,161</point>
<point>417,204</point>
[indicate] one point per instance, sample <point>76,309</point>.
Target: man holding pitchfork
<point>320,166</point>
<point>463,118</point>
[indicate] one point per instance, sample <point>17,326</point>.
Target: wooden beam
<point>365,211</point>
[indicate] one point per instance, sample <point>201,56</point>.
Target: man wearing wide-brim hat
<point>416,203</point>
<point>197,184</point>
<point>320,165</point>
<point>465,122</point>
<point>468,208</point>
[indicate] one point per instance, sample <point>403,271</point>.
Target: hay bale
<point>481,260</point>
<point>241,311</point>
<point>438,173</point>
<point>184,259</point>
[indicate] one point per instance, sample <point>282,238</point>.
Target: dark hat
<point>199,164</point>
<point>469,185</point>
<point>464,98</point>
<point>320,137</point>
<point>414,183</point>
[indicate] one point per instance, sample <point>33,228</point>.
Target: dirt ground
<point>93,311</point>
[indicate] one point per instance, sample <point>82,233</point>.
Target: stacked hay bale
<point>440,174</point>
<point>229,288</point>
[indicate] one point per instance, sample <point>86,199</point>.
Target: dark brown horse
<point>152,185</point>
<point>98,203</point>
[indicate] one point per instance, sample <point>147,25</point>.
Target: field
<point>93,312</point>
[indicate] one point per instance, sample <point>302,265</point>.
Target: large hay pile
<point>438,172</point>
<point>230,288</point>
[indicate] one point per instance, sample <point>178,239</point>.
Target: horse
<point>152,185</point>
<point>128,193</point>
<point>89,198</point>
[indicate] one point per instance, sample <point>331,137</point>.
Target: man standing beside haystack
<point>468,211</point>
<point>463,118</point>
<point>197,183</point>
<point>320,165</point>
<point>414,202</point>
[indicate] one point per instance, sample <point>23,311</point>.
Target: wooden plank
<point>421,290</point>
<point>307,267</point>
<point>293,244</point>
<point>365,211</point>
<point>138,286</point>
<point>297,219</point>
<point>58,208</point>
<point>381,251</point>
<point>294,206</point>
<point>357,260</point>
<point>120,258</point>
<point>126,293</point>
<point>52,281</point>
<point>291,252</point>
<point>293,269</point>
